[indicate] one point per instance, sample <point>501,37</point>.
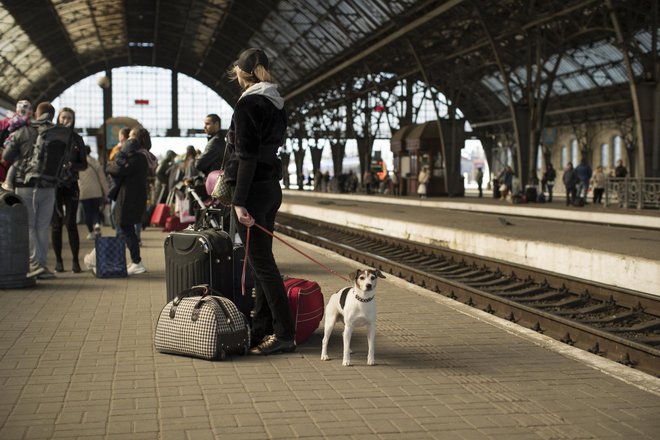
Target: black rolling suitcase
<point>208,255</point>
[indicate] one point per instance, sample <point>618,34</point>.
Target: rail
<point>630,192</point>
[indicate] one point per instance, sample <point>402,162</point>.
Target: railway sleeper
<point>612,319</point>
<point>500,280</point>
<point>533,293</point>
<point>647,326</point>
<point>456,272</point>
<point>484,278</point>
<point>577,306</point>
<point>466,277</point>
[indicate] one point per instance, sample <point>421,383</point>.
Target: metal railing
<point>630,192</point>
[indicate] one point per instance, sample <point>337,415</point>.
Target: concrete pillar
<point>648,94</point>
<point>453,132</point>
<point>525,155</point>
<point>174,131</point>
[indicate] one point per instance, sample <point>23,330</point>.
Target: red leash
<point>247,247</point>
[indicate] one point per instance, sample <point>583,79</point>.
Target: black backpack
<point>49,156</point>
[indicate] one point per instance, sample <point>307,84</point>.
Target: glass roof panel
<point>598,64</point>
<point>21,62</point>
<point>212,15</point>
<point>97,25</point>
<point>309,34</point>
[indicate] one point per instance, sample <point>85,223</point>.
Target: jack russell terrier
<point>357,306</point>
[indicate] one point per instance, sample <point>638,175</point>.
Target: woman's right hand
<point>244,216</point>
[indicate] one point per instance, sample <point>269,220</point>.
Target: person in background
<point>163,173</point>
<point>548,180</point>
<point>422,181</point>
<point>93,191</point>
<point>506,181</point>
<point>144,139</point>
<point>570,180</point>
<point>11,123</point>
<point>259,124</point>
<point>67,196</point>
<point>211,158</point>
<point>584,173</point>
<point>396,183</point>
<point>39,198</point>
<point>479,178</point>
<point>620,170</point>
<point>132,194</point>
<point>598,184</point>
<point>122,136</point>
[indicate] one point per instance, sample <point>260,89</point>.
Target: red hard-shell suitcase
<point>306,303</point>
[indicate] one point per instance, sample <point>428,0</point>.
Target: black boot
<point>59,266</point>
<point>75,267</point>
<point>272,344</point>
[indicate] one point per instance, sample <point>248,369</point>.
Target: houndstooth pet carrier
<point>206,326</point>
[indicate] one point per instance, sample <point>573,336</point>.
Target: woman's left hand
<point>244,216</point>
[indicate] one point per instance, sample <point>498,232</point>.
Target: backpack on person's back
<point>50,155</point>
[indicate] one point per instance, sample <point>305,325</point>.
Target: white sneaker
<point>135,268</point>
<point>90,236</point>
<point>97,230</point>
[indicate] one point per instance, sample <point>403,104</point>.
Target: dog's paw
<point>346,363</point>
<point>325,357</point>
<point>371,361</point>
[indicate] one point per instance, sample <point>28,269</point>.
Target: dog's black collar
<point>364,300</point>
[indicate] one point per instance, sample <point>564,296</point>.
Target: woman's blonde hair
<point>246,79</point>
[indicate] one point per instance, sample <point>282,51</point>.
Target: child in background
<point>11,123</point>
<point>129,148</point>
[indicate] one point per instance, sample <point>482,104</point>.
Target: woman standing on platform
<point>257,130</point>
<point>423,180</point>
<point>67,195</point>
<point>132,196</point>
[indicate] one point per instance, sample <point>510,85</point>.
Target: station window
<point>539,157</point>
<point>574,152</point>
<point>564,156</point>
<point>605,156</point>
<point>618,148</point>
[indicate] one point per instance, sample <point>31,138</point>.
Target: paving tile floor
<point>77,362</point>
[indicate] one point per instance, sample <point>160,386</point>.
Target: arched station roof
<point>480,53</point>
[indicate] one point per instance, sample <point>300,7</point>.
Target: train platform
<point>77,362</point>
<point>613,246</point>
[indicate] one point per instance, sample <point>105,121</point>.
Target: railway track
<point>619,324</point>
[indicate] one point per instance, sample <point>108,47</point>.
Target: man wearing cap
<point>211,158</point>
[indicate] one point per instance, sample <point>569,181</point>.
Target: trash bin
<point>14,242</point>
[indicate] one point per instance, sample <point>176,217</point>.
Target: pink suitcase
<point>160,214</point>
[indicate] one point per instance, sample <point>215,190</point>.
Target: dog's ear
<point>353,276</point>
<point>378,273</point>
